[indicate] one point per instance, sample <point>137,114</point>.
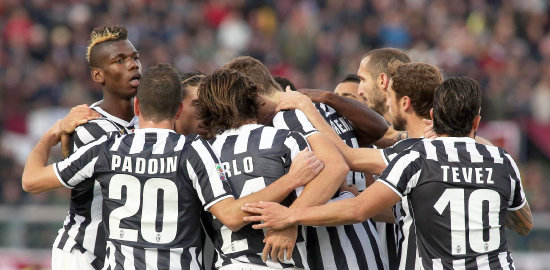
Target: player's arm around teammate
<point>366,160</point>
<point>368,125</point>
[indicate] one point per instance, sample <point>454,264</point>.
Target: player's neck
<point>121,108</point>
<point>415,127</point>
<point>165,124</point>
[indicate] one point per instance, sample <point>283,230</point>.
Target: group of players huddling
<point>278,178</point>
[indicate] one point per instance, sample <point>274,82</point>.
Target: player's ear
<point>405,102</point>
<point>97,75</point>
<point>136,107</point>
<point>477,120</point>
<point>432,114</point>
<point>383,81</point>
<point>180,109</point>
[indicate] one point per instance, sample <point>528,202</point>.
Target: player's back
<point>459,192</point>
<point>154,183</point>
<point>253,156</point>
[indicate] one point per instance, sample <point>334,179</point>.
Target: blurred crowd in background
<point>505,45</point>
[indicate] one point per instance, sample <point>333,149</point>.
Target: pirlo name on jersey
<point>144,166</point>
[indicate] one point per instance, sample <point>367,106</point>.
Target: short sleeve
<point>206,174</point>
<point>294,120</point>
<point>403,172</point>
<point>517,196</point>
<point>295,143</point>
<point>80,165</point>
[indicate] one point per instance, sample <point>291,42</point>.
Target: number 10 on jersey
<point>456,199</point>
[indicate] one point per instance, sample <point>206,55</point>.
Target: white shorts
<point>64,260</point>
<point>246,266</point>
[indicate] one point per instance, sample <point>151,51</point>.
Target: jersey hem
<point>206,207</point>
<point>517,207</point>
<point>394,189</point>
<point>59,177</point>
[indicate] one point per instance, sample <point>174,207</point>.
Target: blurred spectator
<point>503,44</point>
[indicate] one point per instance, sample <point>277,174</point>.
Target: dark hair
<point>227,99</point>
<point>256,72</point>
<point>417,81</point>
<point>380,59</point>
<point>353,78</point>
<point>284,82</point>
<point>104,34</point>
<point>159,93</point>
<point>190,79</point>
<point>457,102</point>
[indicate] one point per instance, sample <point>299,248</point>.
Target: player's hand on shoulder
<point>280,243</point>
<point>271,214</point>
<point>77,116</point>
<point>316,95</point>
<point>53,135</point>
<point>429,132</point>
<point>290,100</point>
<point>305,166</point>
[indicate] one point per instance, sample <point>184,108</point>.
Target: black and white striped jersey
<point>403,232</point>
<point>458,193</point>
<point>82,227</point>
<point>354,246</point>
<point>344,129</point>
<point>154,184</point>
<point>253,156</point>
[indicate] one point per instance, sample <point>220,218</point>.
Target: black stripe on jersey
<point>294,123</point>
<point>163,258</point>
<point>313,249</point>
<point>494,262</point>
<point>410,263</point>
<point>337,250</point>
<point>357,248</point>
<point>510,261</point>
<point>65,236</point>
<point>393,259</point>
<point>373,243</point>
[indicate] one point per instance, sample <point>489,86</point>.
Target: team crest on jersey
<point>220,172</point>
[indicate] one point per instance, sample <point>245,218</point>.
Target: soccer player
<point>342,247</point>
<point>349,88</point>
<point>254,156</point>
<point>153,182</point>
<point>462,194</point>
<point>189,121</point>
<point>115,65</point>
<point>410,98</point>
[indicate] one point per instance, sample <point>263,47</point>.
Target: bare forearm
<point>322,187</point>
<point>275,192</point>
<point>520,221</point>
<point>369,126</point>
<point>36,162</point>
<point>330,214</point>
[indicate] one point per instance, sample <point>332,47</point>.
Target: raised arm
<point>368,125</point>
<point>37,175</point>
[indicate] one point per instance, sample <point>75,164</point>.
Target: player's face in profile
<point>394,109</point>
<point>121,67</point>
<point>368,89</point>
<point>266,110</point>
<point>189,121</point>
<point>349,90</point>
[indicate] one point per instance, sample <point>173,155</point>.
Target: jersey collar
<point>124,123</point>
<point>247,127</point>
<point>456,139</point>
